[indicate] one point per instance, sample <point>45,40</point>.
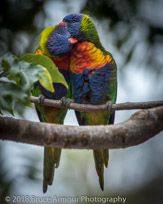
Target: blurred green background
<point>133,32</point>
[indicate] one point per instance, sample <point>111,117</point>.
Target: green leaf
<point>9,67</point>
<point>10,93</point>
<point>47,63</point>
<point>7,61</point>
<point>37,72</point>
<point>14,84</point>
<point>16,81</point>
<point>47,81</point>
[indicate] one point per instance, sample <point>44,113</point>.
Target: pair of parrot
<point>91,74</point>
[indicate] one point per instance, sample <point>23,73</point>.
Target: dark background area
<point>135,33</point>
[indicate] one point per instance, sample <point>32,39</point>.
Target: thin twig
<point>103,107</point>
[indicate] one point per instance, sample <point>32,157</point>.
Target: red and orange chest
<point>86,55</point>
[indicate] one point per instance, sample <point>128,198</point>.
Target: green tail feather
<point>101,158</point>
<point>105,156</point>
<point>51,161</point>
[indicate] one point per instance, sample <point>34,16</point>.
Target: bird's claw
<point>66,101</point>
<point>41,99</point>
<point>109,105</point>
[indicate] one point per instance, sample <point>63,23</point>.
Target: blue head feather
<point>82,28</point>
<point>58,43</point>
<point>73,24</point>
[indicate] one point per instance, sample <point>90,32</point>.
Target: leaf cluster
<point>17,78</point>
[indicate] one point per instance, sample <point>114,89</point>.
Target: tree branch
<point>103,107</point>
<point>140,127</point>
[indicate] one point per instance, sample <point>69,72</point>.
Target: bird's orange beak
<point>63,24</point>
<point>72,41</point>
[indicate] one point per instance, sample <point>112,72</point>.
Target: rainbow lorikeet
<point>55,43</point>
<point>93,74</point>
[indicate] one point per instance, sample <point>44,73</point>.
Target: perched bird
<point>93,74</point>
<point>55,43</point>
